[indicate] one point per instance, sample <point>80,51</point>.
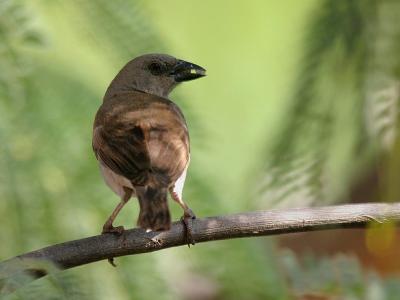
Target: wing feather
<point>142,137</point>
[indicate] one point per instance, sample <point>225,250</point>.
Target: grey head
<point>155,74</point>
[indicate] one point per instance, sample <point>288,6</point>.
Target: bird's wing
<point>123,149</point>
<point>142,138</point>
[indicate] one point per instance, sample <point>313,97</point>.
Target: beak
<point>185,71</point>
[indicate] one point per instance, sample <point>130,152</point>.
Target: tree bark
<point>261,223</point>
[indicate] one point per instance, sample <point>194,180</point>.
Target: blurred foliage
<point>344,109</point>
<point>50,187</point>
<point>57,58</point>
<point>340,277</point>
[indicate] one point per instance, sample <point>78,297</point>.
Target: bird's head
<point>155,74</point>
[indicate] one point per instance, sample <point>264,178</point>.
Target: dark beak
<point>185,71</point>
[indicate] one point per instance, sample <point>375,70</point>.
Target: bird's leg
<point>188,215</point>
<point>108,225</point>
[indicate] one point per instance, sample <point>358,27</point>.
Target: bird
<point>141,140</point>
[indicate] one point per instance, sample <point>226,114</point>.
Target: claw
<point>188,213</point>
<point>187,220</point>
<point>118,231</point>
<point>113,230</point>
<point>111,261</point>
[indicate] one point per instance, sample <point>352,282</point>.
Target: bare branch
<point>79,252</point>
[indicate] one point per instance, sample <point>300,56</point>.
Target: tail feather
<point>154,212</point>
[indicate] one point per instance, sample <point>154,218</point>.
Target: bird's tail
<point>154,212</point>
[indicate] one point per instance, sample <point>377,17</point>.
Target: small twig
<point>79,252</point>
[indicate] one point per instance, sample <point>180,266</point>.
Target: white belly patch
<point>114,181</point>
<point>178,187</point>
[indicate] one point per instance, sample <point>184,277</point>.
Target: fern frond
<point>345,102</point>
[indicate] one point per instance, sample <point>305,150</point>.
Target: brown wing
<point>142,137</point>
<point>124,151</point>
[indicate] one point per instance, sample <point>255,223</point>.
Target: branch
<point>79,252</point>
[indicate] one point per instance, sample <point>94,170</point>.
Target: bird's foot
<point>187,220</point>
<point>108,228</point>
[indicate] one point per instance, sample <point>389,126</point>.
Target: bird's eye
<point>156,68</point>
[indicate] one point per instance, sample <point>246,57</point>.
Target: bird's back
<point>141,137</point>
